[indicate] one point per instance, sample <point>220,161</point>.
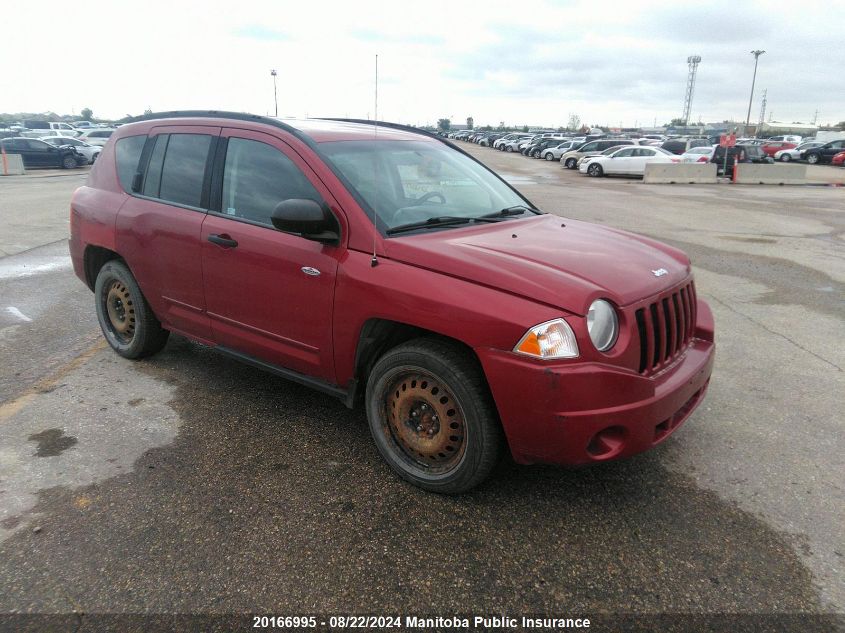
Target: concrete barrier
<point>682,173</point>
<point>777,174</point>
<point>11,165</point>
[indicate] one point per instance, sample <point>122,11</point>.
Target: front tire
<point>785,158</point>
<point>595,170</point>
<point>550,156</point>
<point>509,149</point>
<point>68,162</point>
<point>571,163</point>
<point>813,159</point>
<point>125,317</point>
<point>432,417</point>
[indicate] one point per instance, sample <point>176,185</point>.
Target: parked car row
<point>599,154</point>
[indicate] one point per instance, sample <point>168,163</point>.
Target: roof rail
<point>395,126</point>
<point>223,114</point>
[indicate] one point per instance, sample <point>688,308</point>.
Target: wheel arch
<point>94,259</point>
<point>377,337</point>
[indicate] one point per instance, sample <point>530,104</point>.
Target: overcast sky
<point>521,62</point>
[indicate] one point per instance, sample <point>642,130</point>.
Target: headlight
<point>602,324</point>
<point>549,340</point>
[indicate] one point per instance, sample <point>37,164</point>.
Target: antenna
<point>374,260</point>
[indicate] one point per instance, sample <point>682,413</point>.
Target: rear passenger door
<point>269,293</point>
<point>159,227</point>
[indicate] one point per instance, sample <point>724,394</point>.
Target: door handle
<point>222,240</point>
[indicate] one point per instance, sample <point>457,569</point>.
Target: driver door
<point>269,294</point>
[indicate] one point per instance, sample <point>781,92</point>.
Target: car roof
<point>308,130</point>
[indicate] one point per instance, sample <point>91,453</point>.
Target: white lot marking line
<point>15,312</point>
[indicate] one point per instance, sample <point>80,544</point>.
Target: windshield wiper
<point>517,209</point>
<point>442,220</point>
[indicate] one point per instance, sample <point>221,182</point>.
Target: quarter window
<point>127,153</point>
<point>257,177</point>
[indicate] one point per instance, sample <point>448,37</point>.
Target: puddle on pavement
<point>51,442</point>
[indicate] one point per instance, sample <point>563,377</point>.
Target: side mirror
<point>308,218</point>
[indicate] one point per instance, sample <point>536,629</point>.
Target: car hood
<point>560,262</point>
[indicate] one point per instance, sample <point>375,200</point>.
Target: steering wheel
<point>431,194</point>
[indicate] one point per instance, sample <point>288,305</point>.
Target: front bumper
<point>578,413</point>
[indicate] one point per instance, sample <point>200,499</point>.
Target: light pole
<point>275,94</point>
<point>753,79</point>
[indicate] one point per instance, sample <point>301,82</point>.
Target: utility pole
<point>762,111</point>
<point>692,62</point>
<point>275,93</point>
<point>753,80</point>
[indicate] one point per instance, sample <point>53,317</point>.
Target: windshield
<point>412,181</point>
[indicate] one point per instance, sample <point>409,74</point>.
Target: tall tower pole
<point>762,112</point>
<point>692,61</point>
<point>753,80</point>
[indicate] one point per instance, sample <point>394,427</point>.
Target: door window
<point>625,153</point>
<point>183,170</point>
<point>257,177</point>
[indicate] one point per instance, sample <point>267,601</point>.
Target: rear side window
<point>104,134</point>
<point>127,152</point>
<point>257,177</point>
<point>183,169</point>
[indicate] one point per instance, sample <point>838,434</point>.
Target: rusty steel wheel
<point>127,321</point>
<point>425,421</point>
<point>431,415</point>
<point>121,311</point>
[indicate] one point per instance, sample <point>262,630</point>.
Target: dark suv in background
<point>680,145</point>
<point>738,154</point>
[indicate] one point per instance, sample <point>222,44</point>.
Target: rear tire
<point>432,417</point>
<point>125,317</point>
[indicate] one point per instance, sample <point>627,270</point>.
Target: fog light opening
<point>607,443</point>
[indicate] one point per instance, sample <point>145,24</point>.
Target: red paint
<point>477,284</point>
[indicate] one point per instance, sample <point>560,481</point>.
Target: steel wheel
<point>431,415</point>
<point>424,421</point>
<point>121,311</point>
<point>128,323</point>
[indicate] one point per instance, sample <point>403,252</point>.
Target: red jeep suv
<point>383,264</point>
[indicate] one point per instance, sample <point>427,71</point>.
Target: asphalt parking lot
<point>189,483</point>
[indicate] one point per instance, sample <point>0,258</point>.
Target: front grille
<point>665,328</point>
